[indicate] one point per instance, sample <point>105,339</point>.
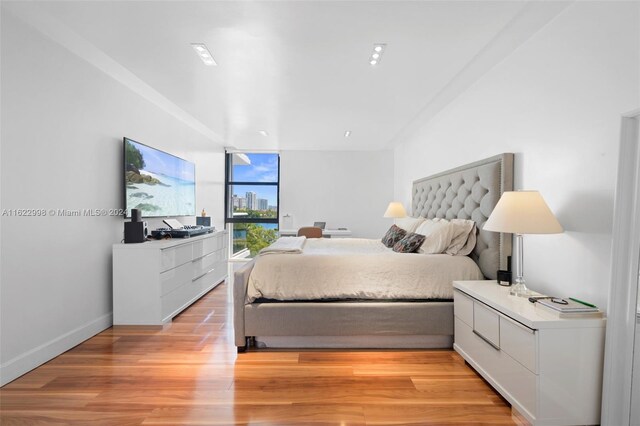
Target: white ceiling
<point>297,69</point>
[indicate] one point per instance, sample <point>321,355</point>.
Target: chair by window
<point>310,232</point>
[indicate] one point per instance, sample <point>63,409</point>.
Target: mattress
<point>356,269</point>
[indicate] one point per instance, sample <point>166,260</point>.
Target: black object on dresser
<point>135,232</point>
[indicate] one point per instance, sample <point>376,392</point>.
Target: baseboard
<point>29,360</point>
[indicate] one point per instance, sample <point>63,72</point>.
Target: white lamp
<point>395,209</point>
<point>522,212</point>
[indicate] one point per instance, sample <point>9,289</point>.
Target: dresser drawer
<point>463,307</point>
<point>175,256</point>
<point>207,262</point>
<point>174,278</point>
<point>177,299</point>
<point>486,323</point>
<point>519,341</point>
<point>212,277</point>
<point>218,271</point>
<point>208,245</point>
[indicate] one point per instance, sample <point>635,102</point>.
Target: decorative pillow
<point>471,242</point>
<point>437,236</point>
<point>409,244</point>
<point>462,232</point>
<point>409,224</point>
<point>393,235</point>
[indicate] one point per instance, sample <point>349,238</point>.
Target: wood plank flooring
<point>189,374</point>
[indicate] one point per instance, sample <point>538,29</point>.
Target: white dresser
<point>548,368</point>
<point>154,281</point>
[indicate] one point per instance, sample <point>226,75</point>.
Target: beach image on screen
<point>158,183</point>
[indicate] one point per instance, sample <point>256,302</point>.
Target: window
<point>252,195</point>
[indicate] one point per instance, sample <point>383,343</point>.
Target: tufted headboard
<point>470,192</point>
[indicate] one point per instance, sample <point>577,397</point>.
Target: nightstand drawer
<point>463,307</point>
<point>519,341</point>
<point>516,383</point>
<point>486,324</point>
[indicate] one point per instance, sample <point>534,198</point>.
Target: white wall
<point>556,103</point>
<point>62,126</point>
<point>348,189</point>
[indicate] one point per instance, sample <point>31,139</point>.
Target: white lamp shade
<point>395,209</point>
<point>522,212</point>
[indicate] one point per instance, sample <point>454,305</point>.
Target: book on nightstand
<point>572,308</point>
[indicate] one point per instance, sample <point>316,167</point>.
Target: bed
<point>266,318</point>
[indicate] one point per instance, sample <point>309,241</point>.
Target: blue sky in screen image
<point>263,168</point>
<point>162,163</point>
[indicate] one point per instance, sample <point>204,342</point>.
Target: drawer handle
<point>489,342</point>
<point>520,326</point>
<point>202,275</point>
<point>202,257</point>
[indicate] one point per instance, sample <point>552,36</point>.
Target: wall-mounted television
<point>158,183</point>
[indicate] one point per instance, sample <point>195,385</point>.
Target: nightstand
<point>548,368</point>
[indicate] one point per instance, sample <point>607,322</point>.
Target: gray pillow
<point>393,235</point>
<point>409,244</point>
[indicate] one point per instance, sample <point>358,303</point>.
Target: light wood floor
<point>190,373</point>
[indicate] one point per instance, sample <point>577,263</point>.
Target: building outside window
<point>252,200</point>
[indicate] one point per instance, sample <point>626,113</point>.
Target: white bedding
<point>354,268</point>
<point>285,245</point>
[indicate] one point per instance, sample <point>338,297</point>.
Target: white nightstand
<point>548,368</point>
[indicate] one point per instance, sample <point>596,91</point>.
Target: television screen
<point>157,183</point>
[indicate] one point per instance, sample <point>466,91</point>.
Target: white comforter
<point>354,268</point>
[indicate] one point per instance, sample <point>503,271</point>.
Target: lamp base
<point>519,290</point>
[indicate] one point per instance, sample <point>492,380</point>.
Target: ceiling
<point>297,69</point>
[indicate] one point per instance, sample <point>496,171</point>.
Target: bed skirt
<point>355,342</point>
<point>330,319</point>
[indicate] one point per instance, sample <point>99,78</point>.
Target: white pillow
<point>409,224</point>
<point>438,235</point>
<point>464,234</point>
<point>471,243</point>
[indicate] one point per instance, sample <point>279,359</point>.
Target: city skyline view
<point>269,193</point>
<point>263,168</point>
<point>251,201</point>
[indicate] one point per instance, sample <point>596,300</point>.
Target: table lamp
<point>395,209</point>
<point>522,212</point>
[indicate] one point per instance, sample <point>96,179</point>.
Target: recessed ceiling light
<point>376,55</point>
<point>347,133</point>
<point>263,132</point>
<point>204,53</point>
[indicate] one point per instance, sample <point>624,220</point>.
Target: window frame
<point>229,184</point>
